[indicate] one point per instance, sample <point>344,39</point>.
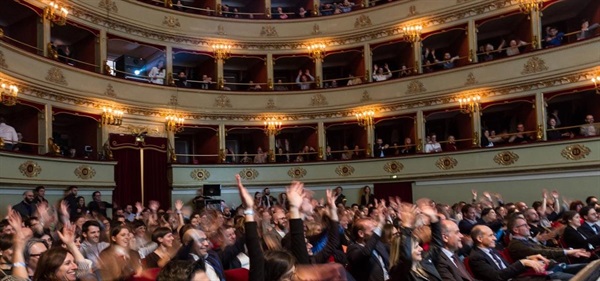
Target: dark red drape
<point>128,154</point>
<point>400,189</point>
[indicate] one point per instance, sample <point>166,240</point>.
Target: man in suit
<point>182,81</point>
<point>197,247</point>
<point>469,220</point>
<point>268,200</point>
<point>368,258</point>
<point>450,267</point>
<point>590,227</point>
<point>340,198</point>
<point>380,149</point>
<point>487,264</point>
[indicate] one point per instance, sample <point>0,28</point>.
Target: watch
<point>249,212</point>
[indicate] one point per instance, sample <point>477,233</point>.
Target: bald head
<point>483,236</point>
<point>451,235</point>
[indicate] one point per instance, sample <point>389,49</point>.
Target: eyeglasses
<point>521,225</point>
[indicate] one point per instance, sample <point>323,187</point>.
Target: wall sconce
<point>527,6</point>
<point>221,51</point>
<point>469,104</point>
<point>9,94</point>
<point>412,33</point>
<point>595,79</point>
<point>111,116</point>
<point>272,127</point>
<point>317,51</point>
<point>56,13</point>
<point>365,118</point>
<point>174,123</point>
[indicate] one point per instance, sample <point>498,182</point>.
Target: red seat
<point>238,274</point>
<point>147,275</point>
<point>506,255</point>
<point>468,266</point>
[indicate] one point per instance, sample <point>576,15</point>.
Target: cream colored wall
<point>576,185</point>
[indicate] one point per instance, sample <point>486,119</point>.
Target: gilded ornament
<point>30,169</point>
<point>221,30</point>
<point>446,163</point>
<point>365,96</point>
<point>412,10</point>
<point>506,158</point>
<point>268,31</point>
<point>393,167</point>
<point>575,152</point>
<point>471,80</point>
<point>171,22</point>
<point>415,87</point>
<point>344,170</point>
<point>316,30</point>
<point>222,101</point>
<point>109,6</point>
<point>248,174</point>
<point>296,172</point>
<point>200,174</point>
<point>1,32</point>
<point>270,104</point>
<point>534,65</point>
<point>174,100</point>
<point>55,75</point>
<point>110,91</point>
<point>318,100</point>
<point>362,21</point>
<point>2,60</point>
<point>85,172</point>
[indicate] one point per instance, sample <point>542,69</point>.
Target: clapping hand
<point>247,200</point>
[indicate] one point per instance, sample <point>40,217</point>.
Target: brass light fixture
<point>317,51</point>
<point>9,93</point>
<point>56,13</point>
<point>596,80</point>
<point>272,127</point>
<point>111,116</point>
<point>527,6</point>
<point>174,123</point>
<point>222,51</point>
<point>365,118</point>
<point>469,104</point>
<point>412,33</point>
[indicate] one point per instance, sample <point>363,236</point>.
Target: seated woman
<point>163,236</point>
<point>119,262</point>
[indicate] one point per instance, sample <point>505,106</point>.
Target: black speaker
<point>210,190</point>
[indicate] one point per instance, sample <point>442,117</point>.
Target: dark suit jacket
<point>577,240</point>
<point>448,270</point>
<point>402,270</point>
<point>340,200</point>
<point>484,268</point>
<point>363,265</point>
<point>378,150</point>
<point>520,249</point>
<point>587,230</point>
<point>363,200</point>
<point>465,226</point>
<point>25,210</point>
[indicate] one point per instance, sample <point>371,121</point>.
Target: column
<point>271,155</point>
<point>370,139</point>
<point>45,127</point>
<point>322,139</point>
<point>418,57</point>
<point>540,116</point>
<point>220,78</point>
<point>102,51</point>
<point>169,65</point>
<point>46,35</point>
<point>536,28</point>
<point>476,125</point>
<point>171,146</point>
<point>268,9</point>
<point>217,7</point>
<point>472,37</point>
<point>319,73</point>
<point>368,56</point>
<point>420,124</point>
<point>316,7</point>
<point>222,133</point>
<point>270,72</point>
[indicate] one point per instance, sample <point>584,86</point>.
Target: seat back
<point>238,274</point>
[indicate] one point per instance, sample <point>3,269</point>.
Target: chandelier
<point>9,94</point>
<point>221,51</point>
<point>412,33</point>
<point>56,13</point>
<point>596,80</point>
<point>272,127</point>
<point>317,51</point>
<point>174,123</point>
<point>469,104</point>
<point>111,116</point>
<point>527,6</point>
<point>365,118</point>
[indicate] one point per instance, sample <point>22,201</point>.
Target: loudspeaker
<point>128,65</point>
<point>211,190</point>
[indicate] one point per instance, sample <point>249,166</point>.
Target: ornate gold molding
<point>318,100</point>
<point>223,101</point>
<point>109,6</point>
<point>316,30</point>
<point>55,75</point>
<point>85,172</point>
<point>200,174</point>
<point>534,65</point>
<point>30,169</point>
<point>415,87</point>
<point>171,21</point>
<point>575,152</point>
<point>412,11</point>
<point>268,31</point>
<point>110,91</point>
<point>221,30</point>
<point>296,172</point>
<point>173,100</point>
<point>471,80</point>
<point>248,174</point>
<point>344,170</point>
<point>362,21</point>
<point>365,96</point>
<point>2,60</point>
<point>270,104</point>
<point>506,158</point>
<point>393,167</point>
<point>446,163</point>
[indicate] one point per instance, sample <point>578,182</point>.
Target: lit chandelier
<point>9,94</point>
<point>412,33</point>
<point>111,116</point>
<point>174,123</point>
<point>56,13</point>
<point>317,51</point>
<point>469,104</point>
<point>272,127</point>
<point>365,118</point>
<point>222,51</point>
<point>596,80</point>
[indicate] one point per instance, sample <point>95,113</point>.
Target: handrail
<point>22,43</point>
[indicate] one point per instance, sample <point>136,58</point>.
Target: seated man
<point>589,129</point>
<point>520,136</point>
<point>554,38</point>
<point>487,264</point>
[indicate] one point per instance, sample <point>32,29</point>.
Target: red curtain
<point>400,189</point>
<point>128,172</point>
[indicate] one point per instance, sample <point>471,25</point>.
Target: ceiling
<point>118,47</point>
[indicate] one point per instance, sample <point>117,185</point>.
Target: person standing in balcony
<point>281,14</point>
<point>8,134</point>
<point>589,129</point>
<point>587,30</point>
<point>379,74</point>
<point>157,73</point>
<point>302,79</point>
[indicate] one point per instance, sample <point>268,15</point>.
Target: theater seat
<point>147,275</point>
<point>238,274</point>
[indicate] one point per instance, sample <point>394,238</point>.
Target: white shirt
<point>433,147</point>
<point>157,76</point>
<point>8,134</point>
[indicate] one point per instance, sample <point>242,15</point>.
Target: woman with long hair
<point>574,239</point>
<point>119,262</point>
<point>367,198</point>
<point>163,236</point>
<point>157,73</point>
<point>80,208</point>
<point>56,264</point>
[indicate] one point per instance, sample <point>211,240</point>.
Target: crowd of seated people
<point>271,237</point>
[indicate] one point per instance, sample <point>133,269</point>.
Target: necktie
<point>596,228</point>
<point>461,268</point>
<point>497,260</point>
<point>216,266</point>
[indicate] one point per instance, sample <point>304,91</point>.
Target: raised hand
<point>178,205</point>
<point>330,198</point>
<point>295,194</point>
<point>247,200</point>
<point>67,235</point>
<point>139,207</point>
<point>153,205</point>
<point>474,192</point>
<point>555,194</point>
<point>430,212</point>
<point>487,195</point>
<point>545,193</point>
<point>408,214</point>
